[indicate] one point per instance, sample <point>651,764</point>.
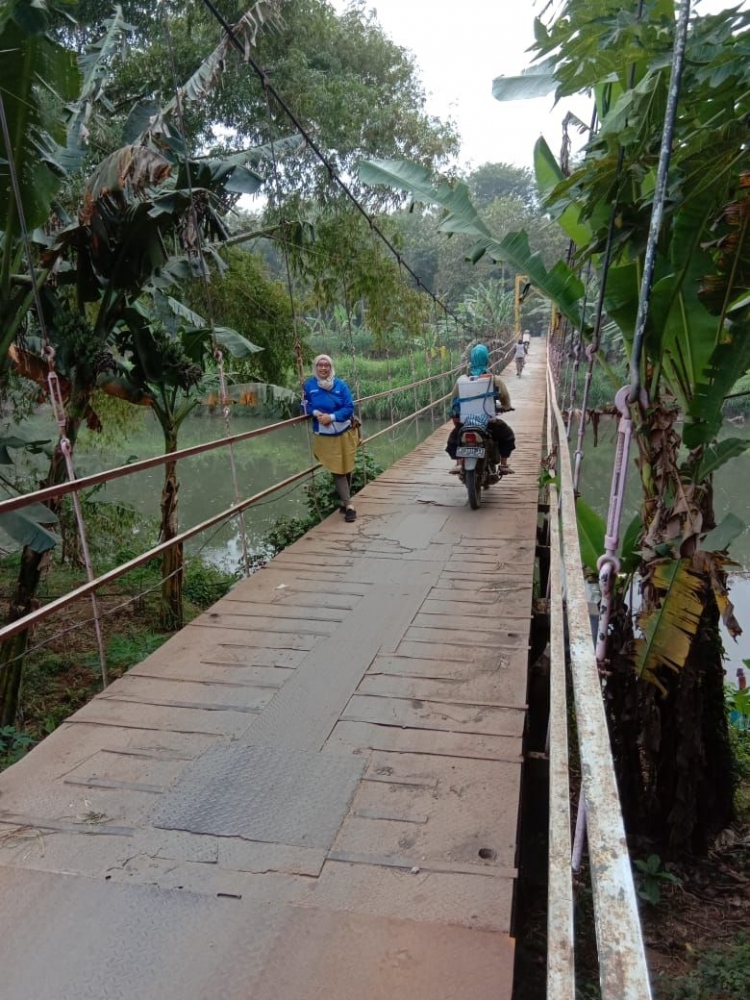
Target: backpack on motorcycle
<point>476,396</point>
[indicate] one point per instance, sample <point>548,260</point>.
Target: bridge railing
<point>623,972</point>
<point>235,510</point>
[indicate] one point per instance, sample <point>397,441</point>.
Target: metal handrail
<point>46,610</point>
<point>560,929</point>
<point>623,971</point>
<point>96,478</point>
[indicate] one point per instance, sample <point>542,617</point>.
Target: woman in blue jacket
<point>329,402</point>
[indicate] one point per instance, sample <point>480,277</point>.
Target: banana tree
<point>37,78</point>
<point>671,733</point>
<point>168,367</point>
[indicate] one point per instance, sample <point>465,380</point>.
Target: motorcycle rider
<point>520,356</point>
<point>526,340</point>
<point>501,433</point>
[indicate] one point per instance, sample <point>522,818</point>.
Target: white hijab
<point>324,383</point>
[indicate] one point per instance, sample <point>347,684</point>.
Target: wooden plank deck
<point>312,790</point>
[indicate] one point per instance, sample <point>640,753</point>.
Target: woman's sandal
<point>505,470</point>
<point>350,515</point>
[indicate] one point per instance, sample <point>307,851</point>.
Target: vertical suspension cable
<point>660,196</point>
<point>355,367</point>
<point>608,564</point>
<point>298,346</point>
<point>58,409</point>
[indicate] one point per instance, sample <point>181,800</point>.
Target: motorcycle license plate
<point>468,452</point>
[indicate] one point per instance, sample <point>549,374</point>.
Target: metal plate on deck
<point>270,794</point>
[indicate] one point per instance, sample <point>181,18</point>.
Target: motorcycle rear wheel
<point>474,487</point>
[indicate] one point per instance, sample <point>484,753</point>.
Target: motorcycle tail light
<point>470,438</point>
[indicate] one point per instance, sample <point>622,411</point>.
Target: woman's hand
<point>325,419</point>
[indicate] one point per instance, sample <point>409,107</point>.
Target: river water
<point>206,482</point>
<point>206,485</point>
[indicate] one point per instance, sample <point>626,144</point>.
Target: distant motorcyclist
<point>526,340</point>
<point>501,433</point>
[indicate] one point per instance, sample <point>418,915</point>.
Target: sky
<point>460,47</point>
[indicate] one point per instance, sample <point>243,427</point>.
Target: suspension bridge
<point>313,789</point>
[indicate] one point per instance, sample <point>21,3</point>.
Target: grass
<point>719,974</point>
<point>62,668</point>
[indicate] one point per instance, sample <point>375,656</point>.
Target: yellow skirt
<point>337,453</point>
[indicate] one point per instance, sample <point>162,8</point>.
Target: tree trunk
<point>13,650</point>
<point>173,559</point>
<point>687,754</point>
<point>672,751</point>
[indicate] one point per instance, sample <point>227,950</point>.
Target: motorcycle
<point>480,461</point>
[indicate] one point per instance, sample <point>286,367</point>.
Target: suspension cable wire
<point>411,346</point>
<point>592,349</point>
<point>391,404</point>
<point>206,280</point>
<point>333,175</point>
<point>625,399</point>
<point>299,351</point>
<point>53,384</point>
<point>633,395</point>
<point>355,367</point>
<point>443,354</point>
<point>659,198</point>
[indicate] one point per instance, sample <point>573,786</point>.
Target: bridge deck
<point>311,791</point>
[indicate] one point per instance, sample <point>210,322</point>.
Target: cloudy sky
<point>460,47</point>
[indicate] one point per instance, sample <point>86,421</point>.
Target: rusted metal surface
<point>114,574</point>
<point>622,960</point>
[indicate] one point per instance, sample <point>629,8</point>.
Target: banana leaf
<point>27,527</point>
<point>37,78</point>
<point>33,447</point>
<point>535,81</point>
<point>728,362</point>
<point>591,528</point>
<point>718,453</point>
<point>197,342</point>
<point>548,176</point>
<point>560,285</point>
<point>727,531</point>
<point>669,629</point>
<point>94,65</point>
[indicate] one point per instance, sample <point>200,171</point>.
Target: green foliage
<point>720,975</point>
<point>125,650</point>
<point>14,744</point>
<point>591,528</point>
<point>559,284</point>
<point>650,877</point>
<point>204,584</point>
<point>110,525</point>
<point>288,530</point>
<point>342,73</point>
<point>491,181</point>
<point>248,299</point>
